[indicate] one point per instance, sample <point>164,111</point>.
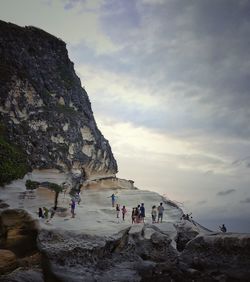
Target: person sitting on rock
<point>223,228</point>
<point>46,212</point>
<point>187,216</point>
<point>40,213</point>
<point>52,212</point>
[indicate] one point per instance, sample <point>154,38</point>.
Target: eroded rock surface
<point>127,256</point>
<point>221,256</point>
<point>43,107</point>
<point>8,261</point>
<point>18,231</point>
<point>18,246</point>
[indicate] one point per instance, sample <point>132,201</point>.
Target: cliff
<point>44,111</point>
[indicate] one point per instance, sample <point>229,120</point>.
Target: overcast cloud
<point>169,84</point>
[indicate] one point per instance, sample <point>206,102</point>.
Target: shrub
<point>31,185</point>
<point>13,163</point>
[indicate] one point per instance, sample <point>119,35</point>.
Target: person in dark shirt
<point>142,212</point>
<point>223,228</point>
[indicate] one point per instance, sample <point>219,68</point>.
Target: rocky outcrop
<point>144,253</point>
<point>18,247</point>
<point>43,107</point>
<point>186,231</point>
<point>219,256</point>
<point>18,232</point>
<point>136,254</point>
<point>108,182</point>
<point>8,261</point>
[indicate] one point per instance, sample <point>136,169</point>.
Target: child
<point>46,213</point>
<point>123,212</point>
<point>117,210</point>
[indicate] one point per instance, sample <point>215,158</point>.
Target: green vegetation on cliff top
<point>13,163</point>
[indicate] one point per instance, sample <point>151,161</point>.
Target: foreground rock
<point>8,261</point>
<point>18,232</point>
<point>222,257</point>
<point>143,253</point>
<point>139,252</point>
<point>18,235</point>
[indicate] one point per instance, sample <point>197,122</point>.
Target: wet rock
<point>8,261</point>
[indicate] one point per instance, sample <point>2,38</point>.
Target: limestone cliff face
<point>43,107</point>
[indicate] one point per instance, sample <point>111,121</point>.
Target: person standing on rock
<point>73,206</point>
<point>124,211</point>
<point>112,199</point>
<point>154,214</point>
<point>117,210</point>
<point>142,212</point>
<point>160,212</point>
<point>133,216</point>
<point>138,213</point>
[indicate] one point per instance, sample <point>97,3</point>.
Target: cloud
<point>243,161</point>
<point>189,65</point>
<point>247,200</point>
<point>226,192</point>
<point>203,202</point>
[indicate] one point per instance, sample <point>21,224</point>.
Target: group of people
<point>123,210</point>
<point>187,217</point>
<point>138,213</point>
<point>44,213</point>
<point>159,210</point>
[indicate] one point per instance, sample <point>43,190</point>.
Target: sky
<point>169,84</point>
